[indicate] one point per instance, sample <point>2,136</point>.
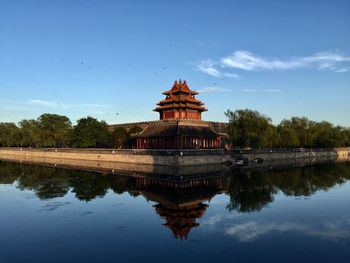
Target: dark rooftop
<point>178,128</point>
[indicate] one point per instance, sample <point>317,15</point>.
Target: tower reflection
<point>180,202</point>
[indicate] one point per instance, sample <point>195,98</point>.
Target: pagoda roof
<point>181,221</point>
<point>175,128</point>
<point>180,105</point>
<point>180,96</point>
<point>176,98</point>
<point>180,86</point>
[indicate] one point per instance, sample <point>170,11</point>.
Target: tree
<point>287,135</point>
<point>120,137</point>
<point>135,129</point>
<point>346,132</point>
<point>54,130</point>
<point>303,129</point>
<point>10,134</point>
<point>249,128</point>
<point>91,133</point>
<point>30,136</point>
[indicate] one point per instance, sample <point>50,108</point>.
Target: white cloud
<point>42,102</point>
<point>249,90</point>
<point>342,70</point>
<point>231,75</point>
<point>272,90</point>
<point>214,89</point>
<point>206,66</point>
<point>248,61</point>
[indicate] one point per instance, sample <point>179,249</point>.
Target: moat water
<point>296,214</point>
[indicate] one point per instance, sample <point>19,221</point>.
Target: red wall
<point>180,115</point>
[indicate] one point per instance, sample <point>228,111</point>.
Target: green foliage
<point>49,130</point>
<point>249,128</point>
<point>246,128</point>
<point>287,137</point>
<point>54,130</point>
<point>302,128</point>
<point>91,133</point>
<point>30,133</point>
<point>120,137</point>
<point>10,134</point>
<point>135,129</point>
<point>326,135</point>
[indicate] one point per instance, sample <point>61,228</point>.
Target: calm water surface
<point>59,215</point>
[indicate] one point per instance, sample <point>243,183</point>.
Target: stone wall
<point>132,159</point>
<point>130,156</point>
<point>292,153</point>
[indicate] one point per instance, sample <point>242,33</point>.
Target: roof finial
<point>184,81</point>
<point>180,81</point>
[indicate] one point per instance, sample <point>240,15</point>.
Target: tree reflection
<point>248,191</point>
<point>251,191</point>
<point>88,186</point>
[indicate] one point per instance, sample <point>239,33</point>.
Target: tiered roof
<point>173,128</point>
<point>181,201</point>
<point>180,96</point>
<point>181,220</point>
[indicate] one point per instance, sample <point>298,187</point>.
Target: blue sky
<point>113,59</point>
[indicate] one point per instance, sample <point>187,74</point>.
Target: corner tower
<point>180,125</point>
<point>180,103</point>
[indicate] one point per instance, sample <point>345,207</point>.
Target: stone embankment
<point>130,156</point>
<point>274,154</point>
<point>134,159</point>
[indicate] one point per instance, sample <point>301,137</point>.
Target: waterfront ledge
<point>172,157</point>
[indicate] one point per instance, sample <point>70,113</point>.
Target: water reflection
<point>180,201</point>
<point>252,190</point>
<point>250,231</point>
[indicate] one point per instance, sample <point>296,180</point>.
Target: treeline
<point>246,128</point>
<point>52,130</point>
<point>249,128</point>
